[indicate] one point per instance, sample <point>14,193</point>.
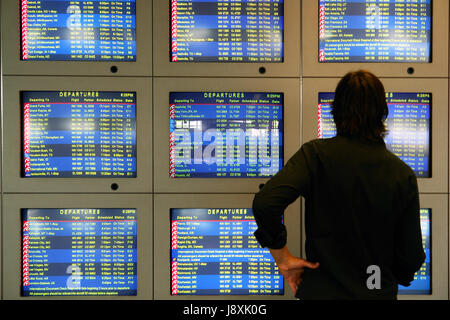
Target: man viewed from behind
<point>362,205</point>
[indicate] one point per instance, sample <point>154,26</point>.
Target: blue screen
<point>80,134</point>
<point>227,31</point>
<point>375,31</point>
<point>422,279</point>
<point>408,123</point>
<point>79,252</point>
<point>93,30</point>
<point>225,134</point>
<point>214,252</point>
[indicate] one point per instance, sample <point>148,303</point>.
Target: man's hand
<point>291,267</point>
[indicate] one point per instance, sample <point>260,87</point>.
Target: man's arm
<point>409,253</point>
<point>268,208</point>
<point>291,267</point>
<point>271,201</point>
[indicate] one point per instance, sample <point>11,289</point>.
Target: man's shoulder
<point>316,145</point>
<point>400,165</point>
<point>313,144</point>
<point>345,146</point>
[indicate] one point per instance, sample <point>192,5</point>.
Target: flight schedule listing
<point>227,30</point>
<point>225,134</point>
<point>93,30</point>
<point>408,125</point>
<point>79,134</point>
<point>79,252</point>
<point>422,279</point>
<point>375,30</point>
<point>214,252</point>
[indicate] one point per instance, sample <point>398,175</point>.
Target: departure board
<point>79,252</point>
<point>225,134</point>
<point>80,134</point>
<point>422,279</point>
<point>375,30</point>
<point>408,124</point>
<point>227,30</point>
<point>58,30</point>
<point>214,252</point>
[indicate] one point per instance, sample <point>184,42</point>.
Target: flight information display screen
<point>422,279</point>
<point>214,252</point>
<point>226,31</point>
<point>408,123</point>
<point>375,31</point>
<point>225,134</point>
<point>79,134</point>
<point>79,252</point>
<point>59,30</point>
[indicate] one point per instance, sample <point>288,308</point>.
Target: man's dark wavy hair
<point>359,108</point>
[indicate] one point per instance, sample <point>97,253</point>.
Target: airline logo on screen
<point>26,138</point>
